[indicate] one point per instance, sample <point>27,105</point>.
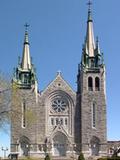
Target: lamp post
<point>4,151</point>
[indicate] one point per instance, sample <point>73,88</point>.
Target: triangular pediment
<point>59,84</point>
<point>59,128</point>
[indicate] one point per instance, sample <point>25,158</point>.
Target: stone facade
<point>58,120</point>
<point>93,134</point>
<point>48,127</point>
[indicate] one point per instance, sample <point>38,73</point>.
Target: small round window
<point>59,105</point>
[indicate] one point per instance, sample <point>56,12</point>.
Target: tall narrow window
<point>57,121</point>
<point>52,121</point>
<point>94,115</point>
<point>24,114</point>
<point>97,84</point>
<point>61,121</point>
<point>90,84</point>
<point>66,122</point>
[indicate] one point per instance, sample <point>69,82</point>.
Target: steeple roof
<point>89,40</point>
<point>26,59</point>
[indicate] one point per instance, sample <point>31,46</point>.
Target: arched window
<point>52,121</point>
<point>90,84</point>
<point>24,114</point>
<point>66,121</point>
<point>94,115</point>
<point>97,84</point>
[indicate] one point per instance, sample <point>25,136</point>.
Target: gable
<point>59,84</point>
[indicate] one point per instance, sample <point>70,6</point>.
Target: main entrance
<point>60,143</point>
<point>25,146</point>
<point>95,145</point>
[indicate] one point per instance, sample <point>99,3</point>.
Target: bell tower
<point>24,103</point>
<point>91,95</point>
<point>24,75</point>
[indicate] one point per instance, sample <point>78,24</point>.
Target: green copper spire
<point>25,76</point>
<point>89,41</point>
<point>26,59</point>
<point>91,54</point>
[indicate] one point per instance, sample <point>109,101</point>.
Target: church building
<point>58,120</point>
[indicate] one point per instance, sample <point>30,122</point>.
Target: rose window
<point>59,105</point>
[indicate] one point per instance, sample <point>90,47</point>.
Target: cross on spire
<point>26,26</point>
<point>89,5</point>
<point>59,72</point>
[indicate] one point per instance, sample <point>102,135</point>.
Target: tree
<point>5,89</point>
<point>10,101</point>
<point>18,97</point>
<point>81,157</point>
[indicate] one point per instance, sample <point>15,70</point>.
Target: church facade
<point>58,120</point>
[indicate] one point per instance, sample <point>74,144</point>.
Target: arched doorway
<point>60,143</point>
<point>25,146</point>
<point>95,146</point>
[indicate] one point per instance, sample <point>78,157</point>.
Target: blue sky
<point>56,34</point>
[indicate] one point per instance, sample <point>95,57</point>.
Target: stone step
<point>60,158</point>
<point>93,158</point>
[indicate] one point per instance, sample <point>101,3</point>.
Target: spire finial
<point>26,27</point>
<point>89,10</point>
<point>26,33</point>
<point>59,72</point>
<point>89,5</point>
<point>97,40</point>
<point>97,46</point>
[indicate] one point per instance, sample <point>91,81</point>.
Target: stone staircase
<point>61,158</point>
<point>92,158</point>
<point>73,158</point>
